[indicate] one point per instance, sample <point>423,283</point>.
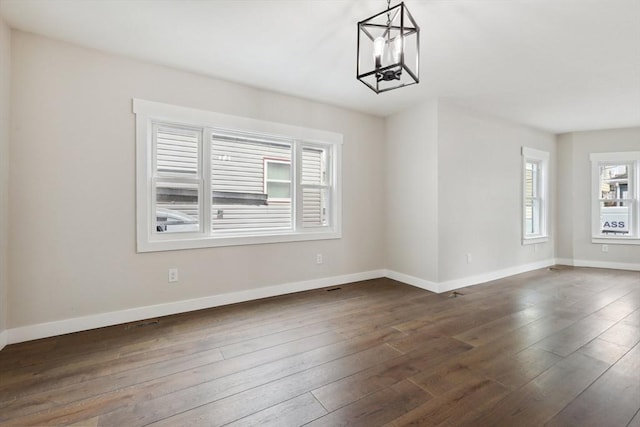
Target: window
<point>615,197</point>
<point>535,181</point>
<point>205,179</point>
<point>315,186</point>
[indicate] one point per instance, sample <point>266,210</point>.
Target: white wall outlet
<point>319,259</point>
<point>469,259</point>
<point>173,275</point>
<point>605,248</point>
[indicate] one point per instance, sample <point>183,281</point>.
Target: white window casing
<point>535,196</point>
<point>615,198</point>
<point>202,178</point>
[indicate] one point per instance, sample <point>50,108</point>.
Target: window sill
<point>190,242</point>
<point>616,240</point>
<point>535,240</point>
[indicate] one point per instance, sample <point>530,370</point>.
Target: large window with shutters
<point>205,179</point>
<point>615,182</point>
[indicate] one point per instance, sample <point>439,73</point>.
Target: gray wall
<point>480,193</point>
<point>454,187</point>
<point>565,198</point>
<point>5,84</point>
<point>411,162</point>
<point>575,201</point>
<point>420,189</point>
<point>72,205</point>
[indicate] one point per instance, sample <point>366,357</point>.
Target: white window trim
<point>147,112</point>
<point>543,158</point>
<point>622,157</point>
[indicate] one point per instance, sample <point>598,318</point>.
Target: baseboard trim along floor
<point>65,326</point>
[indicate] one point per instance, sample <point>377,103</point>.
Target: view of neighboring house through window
<point>277,180</point>
<point>262,187</point>
<point>247,182</point>
<point>535,195</point>
<point>615,200</point>
<point>315,186</point>
<point>177,181</point>
<point>533,201</point>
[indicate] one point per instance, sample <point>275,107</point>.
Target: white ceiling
<point>558,65</point>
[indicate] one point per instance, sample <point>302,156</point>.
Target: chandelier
<point>388,49</point>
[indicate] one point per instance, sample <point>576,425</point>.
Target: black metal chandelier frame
<point>385,77</point>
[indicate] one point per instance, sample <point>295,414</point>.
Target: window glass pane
<point>315,207</point>
<point>274,216</point>
<point>615,217</point>
<point>177,150</point>
<point>278,180</point>
<point>614,182</point>
<point>531,179</point>
<point>278,171</point>
<point>532,217</point>
<point>239,170</point>
<point>177,208</point>
<point>279,190</point>
<point>314,166</point>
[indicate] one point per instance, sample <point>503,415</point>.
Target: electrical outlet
<point>605,248</point>
<point>469,259</point>
<point>319,259</point>
<point>173,275</point>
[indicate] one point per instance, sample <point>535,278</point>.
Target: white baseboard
<point>49,329</point>
<point>600,264</point>
<point>462,282</point>
<point>413,281</point>
<point>477,279</point>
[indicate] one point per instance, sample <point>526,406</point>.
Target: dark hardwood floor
<point>558,347</point>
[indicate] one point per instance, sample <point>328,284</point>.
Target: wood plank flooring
<point>557,347</point>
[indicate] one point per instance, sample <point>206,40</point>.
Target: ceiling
<point>557,65</point>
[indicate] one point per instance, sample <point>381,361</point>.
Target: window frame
<point>327,184</point>
<point>531,155</point>
<point>632,159</point>
<point>174,178</point>
<point>148,113</point>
